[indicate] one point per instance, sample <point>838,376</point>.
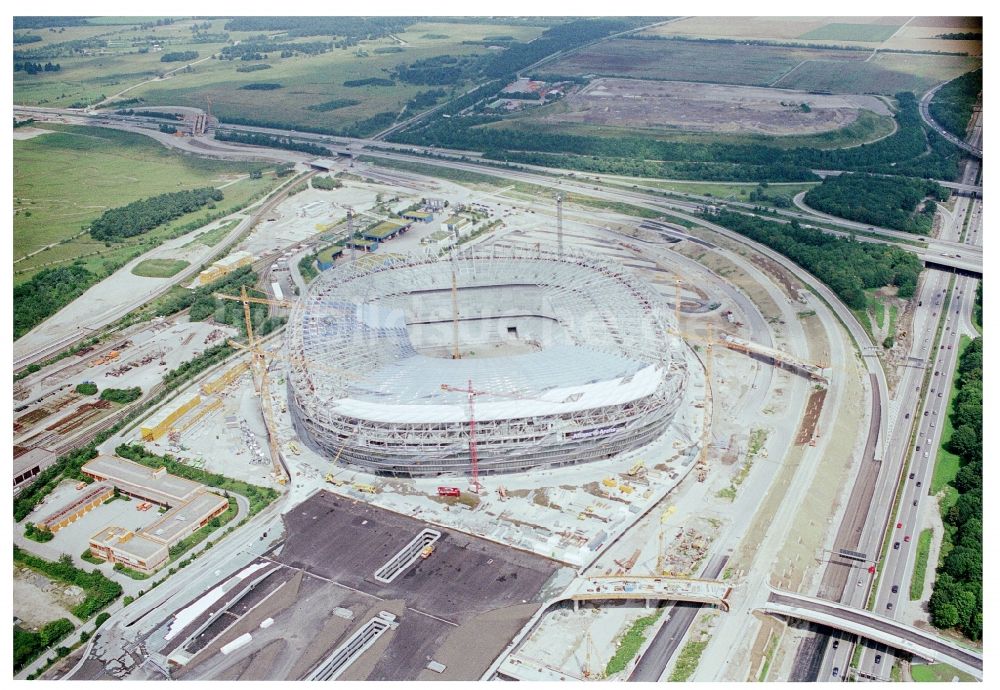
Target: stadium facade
<point>572,360</point>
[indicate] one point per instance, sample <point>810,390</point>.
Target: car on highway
<point>878,658</point>
<point>895,589</point>
<point>900,524</point>
<point>906,538</point>
<point>896,546</point>
<point>836,643</point>
<point>912,474</point>
<point>920,483</point>
<point>836,671</point>
<point>914,501</point>
<point>888,605</point>
<point>926,412</point>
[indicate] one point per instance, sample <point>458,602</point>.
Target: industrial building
<point>132,479</point>
<point>90,497</point>
<point>454,224</point>
<point>419,216</point>
<point>223,266</point>
<point>582,365</point>
<point>160,423</point>
<point>136,551</point>
<point>385,230</point>
<point>191,505</point>
<point>28,464</point>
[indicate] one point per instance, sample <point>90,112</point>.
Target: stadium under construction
<point>489,361</point>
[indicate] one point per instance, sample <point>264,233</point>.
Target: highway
<point>939,252</point>
<point>973,147</point>
<point>907,410</point>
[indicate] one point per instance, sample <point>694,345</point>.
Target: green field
<point>159,268</point>
<point>869,33</point>
<point>947,464</point>
<point>66,179</point>
<point>213,237</point>
<point>938,673</point>
<point>886,74</point>
<point>307,80</point>
<point>866,128</point>
<point>920,564</point>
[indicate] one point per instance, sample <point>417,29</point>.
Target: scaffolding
<point>609,380</point>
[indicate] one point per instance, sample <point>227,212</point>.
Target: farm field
<point>886,73</point>
<point>917,33</point>
<point>843,31</point>
<point>804,69</point>
<point>722,63</point>
<point>67,178</point>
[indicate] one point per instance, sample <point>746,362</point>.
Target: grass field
<point>947,464</point>
<point>866,128</point>
<point>306,80</point>
<point>871,33</point>
<point>920,564</point>
<point>938,673</point>
<point>159,268</point>
<point>66,179</point>
<point>213,237</point>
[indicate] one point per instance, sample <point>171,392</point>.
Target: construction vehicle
<point>426,552</point>
<point>449,491</point>
<point>294,447</point>
<point>333,480</point>
<point>639,466</point>
<point>609,482</point>
<point>625,489</point>
<point>366,488</point>
<point>503,492</point>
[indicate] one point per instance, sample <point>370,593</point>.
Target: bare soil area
<point>710,108</point>
<point>38,600</point>
<point>813,407</point>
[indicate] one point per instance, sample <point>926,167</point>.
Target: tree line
<point>179,56</point>
<point>36,67</point>
<point>348,27</point>
<point>913,150</point>
<point>889,202</point>
<point>99,590</point>
<point>954,102</point>
<point>46,293</point>
<point>141,216</point>
<point>847,266</point>
<point>957,601</point>
<point>277,142</point>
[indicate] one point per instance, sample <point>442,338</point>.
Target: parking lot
<point>460,606</point>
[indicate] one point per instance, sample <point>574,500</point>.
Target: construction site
<point>549,383</point>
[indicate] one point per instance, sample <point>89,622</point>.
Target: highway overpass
<point>603,587</point>
<point>866,624</point>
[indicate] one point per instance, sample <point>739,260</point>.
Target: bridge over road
<point>648,587</point>
<point>873,627</point>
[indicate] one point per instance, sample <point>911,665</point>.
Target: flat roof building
<point>225,265</point>
<point>119,545</point>
<point>187,518</point>
<point>28,465</point>
<point>156,486</point>
<point>89,498</point>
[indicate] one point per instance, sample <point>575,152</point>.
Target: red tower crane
<point>473,451</point>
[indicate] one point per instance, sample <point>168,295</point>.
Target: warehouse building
<point>191,505</point>
<point>419,216</point>
<point>90,497</point>
<point>131,478</point>
<point>161,422</point>
<point>28,465</point>
<point>225,265</point>
<point>136,551</point>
